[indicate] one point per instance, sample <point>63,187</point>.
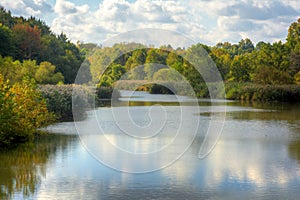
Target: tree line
<point>263,63</point>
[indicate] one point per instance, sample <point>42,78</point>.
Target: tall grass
<point>253,92</point>
<point>59,99</point>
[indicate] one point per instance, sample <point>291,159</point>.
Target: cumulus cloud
<point>255,19</point>
<point>206,21</point>
<point>235,24</point>
<point>65,8</point>
<point>262,10</point>
<point>117,16</point>
<point>27,7</point>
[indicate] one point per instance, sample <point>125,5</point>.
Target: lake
<point>257,155</point>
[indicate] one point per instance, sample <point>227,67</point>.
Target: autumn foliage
<point>22,111</point>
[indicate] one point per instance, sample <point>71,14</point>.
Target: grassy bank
<point>233,91</point>
<point>253,92</point>
<point>265,93</point>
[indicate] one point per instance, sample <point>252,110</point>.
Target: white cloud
<point>27,7</point>
<point>258,10</point>
<point>116,16</point>
<point>65,7</point>
<point>207,21</point>
<point>258,20</point>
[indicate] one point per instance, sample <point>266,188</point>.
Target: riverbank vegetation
<point>22,109</point>
<point>59,98</point>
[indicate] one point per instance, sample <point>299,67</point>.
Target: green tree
<point>138,58</point>
<point>29,68</point>
<point>63,54</point>
<point>293,45</point>
<point>6,41</point>
<point>5,18</point>
<point>295,60</point>
<point>198,56</point>
<point>271,75</point>
<point>69,65</point>
<point>45,74</point>
<point>99,60</point>
<point>240,70</point>
<point>232,49</point>
<point>293,38</point>
<point>11,69</point>
<point>272,59</point>
<point>151,68</point>
<point>222,59</point>
<point>112,74</point>
<point>175,61</point>
<point>138,73</point>
<point>297,78</point>
<point>167,74</point>
<point>15,71</point>
<point>155,60</point>
<point>245,46</point>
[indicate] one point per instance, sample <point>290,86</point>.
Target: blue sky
<point>205,21</point>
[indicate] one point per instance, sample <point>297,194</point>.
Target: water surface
<point>257,157</point>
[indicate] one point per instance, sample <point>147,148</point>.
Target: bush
<point>232,91</point>
<point>253,92</point>
<point>161,89</point>
<point>105,92</point>
<point>22,111</point>
<point>59,99</point>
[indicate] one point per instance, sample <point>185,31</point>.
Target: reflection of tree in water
<point>21,169</point>
<point>294,150</point>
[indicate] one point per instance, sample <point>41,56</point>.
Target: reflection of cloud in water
<point>115,140</point>
<point>236,168</point>
<point>254,159</point>
<point>236,159</point>
<point>260,164</point>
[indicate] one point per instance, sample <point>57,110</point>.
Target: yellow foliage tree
<point>22,111</point>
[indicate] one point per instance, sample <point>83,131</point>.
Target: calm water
<point>257,156</point>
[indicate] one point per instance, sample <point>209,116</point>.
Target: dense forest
<point>29,48</point>
<point>31,54</point>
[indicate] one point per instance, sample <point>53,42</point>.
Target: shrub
<point>105,92</point>
<point>161,89</point>
<point>232,91</point>
<point>253,92</point>
<point>59,99</point>
<point>22,111</point>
